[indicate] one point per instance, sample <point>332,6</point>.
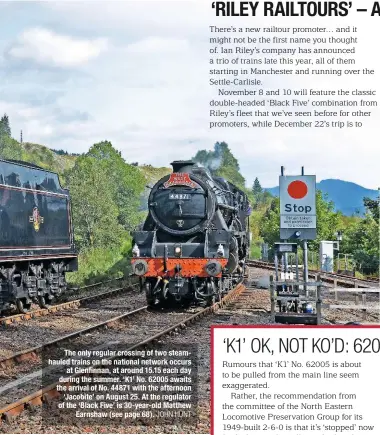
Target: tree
<point>222,163</point>
<point>256,188</point>
<point>361,238</point>
<point>328,221</point>
<point>259,196</point>
<point>126,183</point>
<point>5,129</point>
<point>95,214</point>
<point>270,223</point>
<point>60,152</point>
<point>10,148</point>
<point>373,207</point>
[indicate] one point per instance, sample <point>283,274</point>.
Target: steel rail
<point>32,353</point>
<point>95,284</point>
<point>16,318</point>
<point>325,277</point>
<point>49,392</point>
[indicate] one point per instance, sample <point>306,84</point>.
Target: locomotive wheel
<point>211,300</point>
<point>186,303</point>
<point>150,301</point>
<point>42,302</point>
<point>166,303</point>
<point>22,308</point>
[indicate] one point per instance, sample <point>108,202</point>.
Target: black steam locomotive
<point>194,242</point>
<point>36,236</point>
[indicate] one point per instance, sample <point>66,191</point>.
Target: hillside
<point>60,163</point>
<point>37,154</point>
<point>347,196</point>
<point>46,158</point>
<point>151,175</point>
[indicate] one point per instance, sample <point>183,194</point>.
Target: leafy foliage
<point>260,197</point>
<point>106,196</point>
<point>361,238</point>
<point>256,188</point>
<point>222,163</point>
<point>373,207</point>
<point>125,182</point>
<point>10,148</point>
<point>64,153</point>
<point>101,264</point>
<point>95,213</point>
<point>5,129</point>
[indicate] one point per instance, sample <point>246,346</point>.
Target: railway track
<point>244,305</point>
<point>94,284</point>
<point>351,314</point>
<point>331,278</point>
<point>74,291</point>
<point>165,327</point>
<point>251,300</point>
<point>34,352</point>
<point>16,318</point>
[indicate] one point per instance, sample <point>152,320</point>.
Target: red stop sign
<point>297,189</point>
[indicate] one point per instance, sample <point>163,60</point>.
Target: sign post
<point>298,211</point>
<point>298,214</point>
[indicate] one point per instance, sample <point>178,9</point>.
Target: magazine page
<point>189,217</point>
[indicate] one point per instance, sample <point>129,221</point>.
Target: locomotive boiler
<point>36,236</point>
<point>195,239</point>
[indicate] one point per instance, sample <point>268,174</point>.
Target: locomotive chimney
<point>182,165</point>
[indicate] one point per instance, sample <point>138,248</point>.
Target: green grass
<point>100,264</point>
<point>97,265</point>
<point>255,253</point>
<point>152,174</point>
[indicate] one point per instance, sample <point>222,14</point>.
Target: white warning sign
<point>297,202</point>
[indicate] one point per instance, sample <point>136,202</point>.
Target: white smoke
<point>214,163</point>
